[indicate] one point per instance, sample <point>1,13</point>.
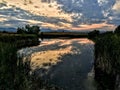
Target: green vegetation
<point>20,40</point>
<point>12,69</point>
<point>14,72</point>
<point>107,60</point>
<point>7,65</point>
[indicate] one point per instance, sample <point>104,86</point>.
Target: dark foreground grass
<point>14,72</point>
<point>8,64</point>
<point>107,61</point>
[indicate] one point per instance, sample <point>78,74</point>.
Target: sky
<point>61,14</point>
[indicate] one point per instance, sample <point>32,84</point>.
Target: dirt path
<point>65,63</point>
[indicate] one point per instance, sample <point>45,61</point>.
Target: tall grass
<point>107,61</point>
<point>8,64</point>
<point>14,72</point>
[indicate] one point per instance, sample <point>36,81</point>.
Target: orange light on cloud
<point>80,27</point>
<point>52,11</point>
<point>2,19</point>
<point>93,26</point>
<point>34,22</point>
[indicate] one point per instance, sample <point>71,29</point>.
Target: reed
<point>14,72</point>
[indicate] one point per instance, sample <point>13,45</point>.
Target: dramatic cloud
<point>61,14</point>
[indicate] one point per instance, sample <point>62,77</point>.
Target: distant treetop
<point>93,33</point>
<point>117,30</point>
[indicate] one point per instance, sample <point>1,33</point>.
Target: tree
<point>93,33</point>
<point>21,30</point>
<point>35,29</point>
<point>28,30</point>
<point>117,30</point>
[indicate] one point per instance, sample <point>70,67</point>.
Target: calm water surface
<point>66,63</point>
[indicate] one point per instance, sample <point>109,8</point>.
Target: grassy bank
<point>14,72</point>
<point>21,40</point>
<point>63,34</point>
